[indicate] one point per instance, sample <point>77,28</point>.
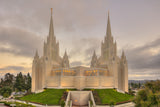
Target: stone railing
<point>68,102</point>
<point>93,104</point>
<point>71,103</point>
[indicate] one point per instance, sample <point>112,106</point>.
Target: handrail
<point>89,104</point>
<point>68,99</point>
<point>92,99</point>
<point>70,103</point>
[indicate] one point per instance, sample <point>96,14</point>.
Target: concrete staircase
<point>79,99</point>
<point>79,106</point>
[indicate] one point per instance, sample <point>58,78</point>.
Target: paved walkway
<point>37,105</point>
<point>2,105</point>
<point>130,104</point>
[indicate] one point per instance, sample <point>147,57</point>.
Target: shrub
<point>112,103</point>
<point>6,92</point>
<point>62,103</point>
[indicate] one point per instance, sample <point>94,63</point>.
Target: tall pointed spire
<point>65,54</point>
<point>94,54</point>
<point>44,49</point>
<point>51,29</point>
<point>123,55</point>
<point>115,48</point>
<point>108,33</point>
<point>36,55</point>
<point>65,61</point>
<point>94,60</point>
<point>94,57</point>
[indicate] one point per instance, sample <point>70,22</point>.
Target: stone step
<point>79,106</point>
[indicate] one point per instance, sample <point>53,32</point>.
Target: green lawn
<point>49,96</point>
<point>53,96</point>
<point>108,95</point>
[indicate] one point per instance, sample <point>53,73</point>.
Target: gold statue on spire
<point>51,10</point>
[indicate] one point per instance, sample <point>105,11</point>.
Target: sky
<point>80,26</point>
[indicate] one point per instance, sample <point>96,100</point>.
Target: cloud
<point>145,57</point>
<point>147,74</point>
<point>26,19</point>
<point>68,16</point>
<point>19,42</point>
<point>144,60</point>
<point>83,49</point>
<point>80,26</point>
<point>76,63</point>
<point>15,68</point>
<point>23,21</point>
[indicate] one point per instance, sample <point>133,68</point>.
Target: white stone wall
<point>92,81</point>
<point>67,81</point>
<point>107,81</point>
<point>80,82</point>
<point>53,82</point>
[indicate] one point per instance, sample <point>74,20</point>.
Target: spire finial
<point>36,54</point>
<point>94,52</point>
<point>123,53</point>
<point>51,11</point>
<point>51,29</point>
<point>108,13</point>
<point>108,32</point>
<point>65,53</point>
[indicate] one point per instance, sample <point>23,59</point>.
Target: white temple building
<point>53,71</point>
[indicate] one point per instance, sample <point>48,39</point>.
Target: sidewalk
<point>37,105</point>
<point>130,104</point>
<point>2,105</point>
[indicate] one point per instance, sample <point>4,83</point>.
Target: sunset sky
<point>80,26</point>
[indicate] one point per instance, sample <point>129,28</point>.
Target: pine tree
<point>20,82</point>
<point>28,82</point>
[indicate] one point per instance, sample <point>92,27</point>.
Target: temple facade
<point>53,71</point>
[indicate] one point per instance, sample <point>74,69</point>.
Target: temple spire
<point>36,55</point>
<point>123,55</point>
<point>65,53</point>
<point>65,61</point>
<point>44,48</point>
<point>94,54</point>
<point>51,29</point>
<point>51,11</point>
<point>108,33</point>
<point>94,60</point>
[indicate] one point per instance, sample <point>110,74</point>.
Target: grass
<point>111,95</point>
<point>49,97</point>
<point>53,96</point>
